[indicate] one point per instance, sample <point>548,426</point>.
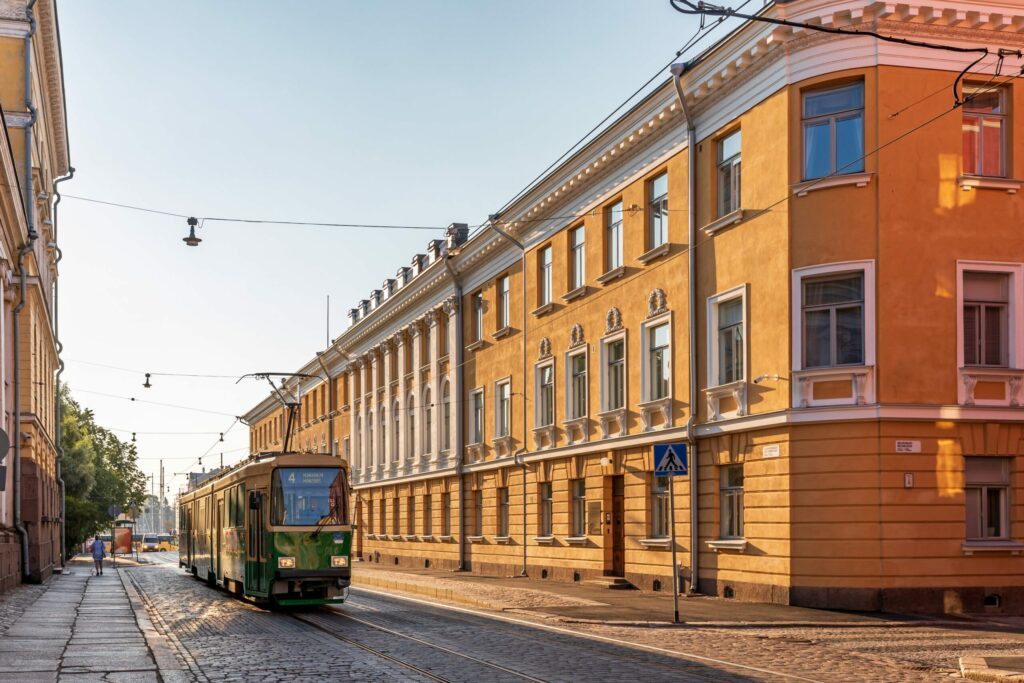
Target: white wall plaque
<point>908,446</point>
<point>771,451</point>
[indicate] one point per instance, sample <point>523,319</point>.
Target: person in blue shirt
<point>99,551</point>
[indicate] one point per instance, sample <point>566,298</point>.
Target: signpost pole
<point>672,522</point>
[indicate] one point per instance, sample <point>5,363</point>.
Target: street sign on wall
<point>670,459</point>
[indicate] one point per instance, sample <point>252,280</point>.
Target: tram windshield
<point>309,496</point>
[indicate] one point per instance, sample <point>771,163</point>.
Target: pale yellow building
<point>836,334</point>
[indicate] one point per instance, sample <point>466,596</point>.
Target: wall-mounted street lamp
<point>146,383</point>
<point>192,240</point>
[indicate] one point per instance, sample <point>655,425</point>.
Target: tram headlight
<point>339,560</point>
<point>286,563</point>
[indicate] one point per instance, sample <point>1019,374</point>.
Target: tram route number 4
<point>670,459</point>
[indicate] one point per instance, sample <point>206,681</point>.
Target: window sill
<point>655,253</point>
<point>543,540</point>
<point>371,537</point>
<point>654,542</point>
<point>858,179</point>
<point>861,378</point>
<point>543,310</point>
<point>576,429</point>
<point>478,344</point>
<point>502,445</point>
<point>727,221</point>
<point>1012,380</point>
<point>576,540</point>
<point>737,391</point>
<point>475,451</point>
<point>503,540</point>
<point>542,434</point>
<point>410,537</point>
<point>574,294</point>
<point>993,546</point>
<point>613,274</point>
<point>503,332</point>
<point>444,538</point>
<point>475,539</point>
<point>649,408</point>
<point>426,537</point>
<point>720,544</point>
<point>394,537</point>
<point>975,182</point>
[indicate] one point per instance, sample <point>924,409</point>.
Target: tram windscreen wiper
<point>322,523</point>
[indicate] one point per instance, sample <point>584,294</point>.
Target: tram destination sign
<point>670,460</point>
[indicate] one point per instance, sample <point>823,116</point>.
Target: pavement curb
<point>1004,668</point>
<point>172,663</point>
<point>440,594</point>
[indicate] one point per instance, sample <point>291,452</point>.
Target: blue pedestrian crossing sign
<point>670,459</point>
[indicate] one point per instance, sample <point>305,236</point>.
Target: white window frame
<point>577,258</point>
<point>732,166</point>
<point>445,417</point>
<point>1014,328</point>
<point>1006,500</point>
<point>614,237</point>
<point>861,376</point>
<point>476,434</point>
<point>606,376</point>
<point>545,275</point>
<point>645,365</point>
<point>410,427</point>
<point>538,407</point>
<point>427,421</point>
<point>727,495</point>
<point>498,412</point>
<point>504,303</point>
<point>578,508</point>
<point>714,302</point>
<point>571,412</point>
<point>658,200</point>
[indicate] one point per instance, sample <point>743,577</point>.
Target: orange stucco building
<point>799,257</point>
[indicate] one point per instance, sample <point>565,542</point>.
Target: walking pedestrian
<point>99,551</point>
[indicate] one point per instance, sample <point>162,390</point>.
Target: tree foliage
<point>100,472</point>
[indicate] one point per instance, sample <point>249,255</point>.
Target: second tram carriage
<point>274,529</point>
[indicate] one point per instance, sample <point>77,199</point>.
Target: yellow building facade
<point>33,160</point>
<point>798,257</point>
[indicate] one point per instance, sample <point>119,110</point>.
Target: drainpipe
<point>517,458</point>
<point>691,147</point>
<point>459,390</point>
<point>19,524</point>
<point>57,407</point>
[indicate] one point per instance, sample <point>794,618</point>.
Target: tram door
<point>256,569</point>
<point>218,532</point>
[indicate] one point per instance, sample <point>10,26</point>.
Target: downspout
<point>459,449</point>
<point>517,458</point>
<point>19,524</point>
<point>691,199</point>
<point>57,406</point>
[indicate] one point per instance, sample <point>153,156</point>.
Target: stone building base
<point>10,560</point>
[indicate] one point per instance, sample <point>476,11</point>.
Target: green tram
<point>274,529</point>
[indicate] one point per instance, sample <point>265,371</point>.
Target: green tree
<point>100,472</point>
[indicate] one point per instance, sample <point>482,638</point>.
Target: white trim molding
<point>660,406</point>
<point>857,179</point>
<point>861,377</point>
<point>736,390</point>
<point>972,182</point>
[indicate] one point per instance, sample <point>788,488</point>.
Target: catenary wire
<point>155,403</point>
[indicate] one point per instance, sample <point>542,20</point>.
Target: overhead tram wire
<point>155,403</point>
<point>154,374</point>
<point>698,35</point>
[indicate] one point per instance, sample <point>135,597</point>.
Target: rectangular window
<point>478,513</point>
<point>577,258</point>
<point>503,413</point>
<point>731,493</point>
<point>577,386</point>
<point>986,311</point>
<point>546,397</point>
<point>546,510</point>
<point>657,207</point>
<point>613,237</point>
<point>984,131</point>
<point>987,497</point>
<point>428,514</point>
<point>503,302</point>
<point>446,514</point>
<point>615,374</point>
<point>476,422</point>
<point>503,509</point>
<point>833,320</point>
<point>658,362</point>
<point>730,341</point>
<point>729,173</point>
<point>478,316</point>
<point>578,487</point>
<point>396,520</point>
<point>383,516</point>
<point>410,515</point>
<point>659,507</point>
<point>544,276</point>
<point>833,125</point>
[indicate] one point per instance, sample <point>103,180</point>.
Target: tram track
<point>401,662</point>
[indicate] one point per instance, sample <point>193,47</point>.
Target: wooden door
<point>618,527</point>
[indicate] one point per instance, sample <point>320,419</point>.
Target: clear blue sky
<point>394,112</point>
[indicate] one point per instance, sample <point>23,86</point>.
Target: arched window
<point>446,414</point>
<point>428,421</point>
<point>410,438</point>
<point>383,448</point>
<point>396,429</point>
